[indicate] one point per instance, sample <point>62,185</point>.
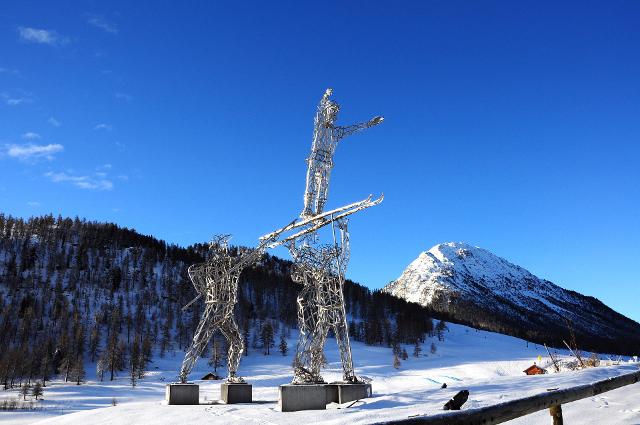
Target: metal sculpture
<point>217,281</point>
<point>326,136</point>
<point>321,268</point>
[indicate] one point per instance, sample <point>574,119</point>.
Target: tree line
<point>77,294</point>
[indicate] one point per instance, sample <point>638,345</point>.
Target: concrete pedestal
<point>331,391</point>
<point>236,393</point>
<point>352,392</point>
<point>302,397</point>
<point>182,393</point>
<point>317,396</point>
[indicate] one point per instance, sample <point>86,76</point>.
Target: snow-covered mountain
<point>473,286</point>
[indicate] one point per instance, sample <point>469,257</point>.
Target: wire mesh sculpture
<point>326,136</point>
<point>216,280</point>
<point>321,268</point>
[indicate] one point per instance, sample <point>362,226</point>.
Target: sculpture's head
<point>331,110</point>
<point>220,242</point>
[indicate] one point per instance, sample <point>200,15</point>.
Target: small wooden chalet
<point>535,370</point>
<point>210,377</point>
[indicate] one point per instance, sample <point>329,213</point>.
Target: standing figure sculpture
<point>216,280</point>
<point>326,136</point>
<point>321,272</point>
<point>321,268</point>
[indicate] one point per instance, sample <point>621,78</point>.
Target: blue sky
<point>513,126</point>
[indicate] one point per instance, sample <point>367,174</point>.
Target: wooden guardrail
<point>513,409</point>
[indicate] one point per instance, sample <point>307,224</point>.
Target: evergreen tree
<point>165,342</point>
<point>404,354</point>
<point>245,336</point>
<point>45,368</point>
<point>283,347</point>
<point>417,350</point>
<point>101,367</point>
<point>24,390</point>
<point>440,328</point>
<point>216,355</point>
<point>142,358</point>
<point>66,365</point>
<point>77,372</point>
<point>94,343</point>
<point>353,331</point>
<point>37,390</point>
<point>395,348</point>
<point>114,355</point>
<point>134,359</point>
<point>147,348</point>
<point>266,337</point>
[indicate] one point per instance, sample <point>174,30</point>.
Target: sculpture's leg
<point>310,189</point>
<point>319,334</point>
<point>201,338</point>
<point>306,324</point>
<point>341,329</point>
<point>230,330</point>
<point>322,187</point>
<point>308,357</point>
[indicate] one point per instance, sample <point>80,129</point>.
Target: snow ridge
<point>477,287</point>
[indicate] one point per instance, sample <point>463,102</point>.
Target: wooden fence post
<point>556,414</point>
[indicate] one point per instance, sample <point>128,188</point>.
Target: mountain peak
<point>476,287</point>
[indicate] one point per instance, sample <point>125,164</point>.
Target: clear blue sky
<point>513,126</point>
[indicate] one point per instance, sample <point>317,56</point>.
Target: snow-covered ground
<point>488,365</point>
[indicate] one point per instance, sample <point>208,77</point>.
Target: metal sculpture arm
<point>342,252</point>
<point>253,255</point>
<point>195,276</point>
<point>318,221</point>
<point>245,260</point>
<point>344,131</point>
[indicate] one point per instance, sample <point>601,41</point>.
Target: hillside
<point>74,292</point>
<point>473,286</point>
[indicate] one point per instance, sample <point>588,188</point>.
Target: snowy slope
<point>488,364</point>
<point>474,286</point>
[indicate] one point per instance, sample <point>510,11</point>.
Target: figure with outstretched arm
<point>216,280</point>
<point>326,136</point>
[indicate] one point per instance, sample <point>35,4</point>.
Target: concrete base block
<point>236,393</point>
<point>331,391</point>
<point>302,397</point>
<point>352,392</point>
<point>182,393</point>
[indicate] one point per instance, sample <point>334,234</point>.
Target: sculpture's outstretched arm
<point>249,258</point>
<point>344,250</point>
<point>253,255</point>
<point>344,131</point>
<point>196,274</point>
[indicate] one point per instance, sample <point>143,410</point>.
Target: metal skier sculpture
<point>321,268</point>
<point>216,280</point>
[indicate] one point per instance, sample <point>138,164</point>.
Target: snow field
<point>489,365</point>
